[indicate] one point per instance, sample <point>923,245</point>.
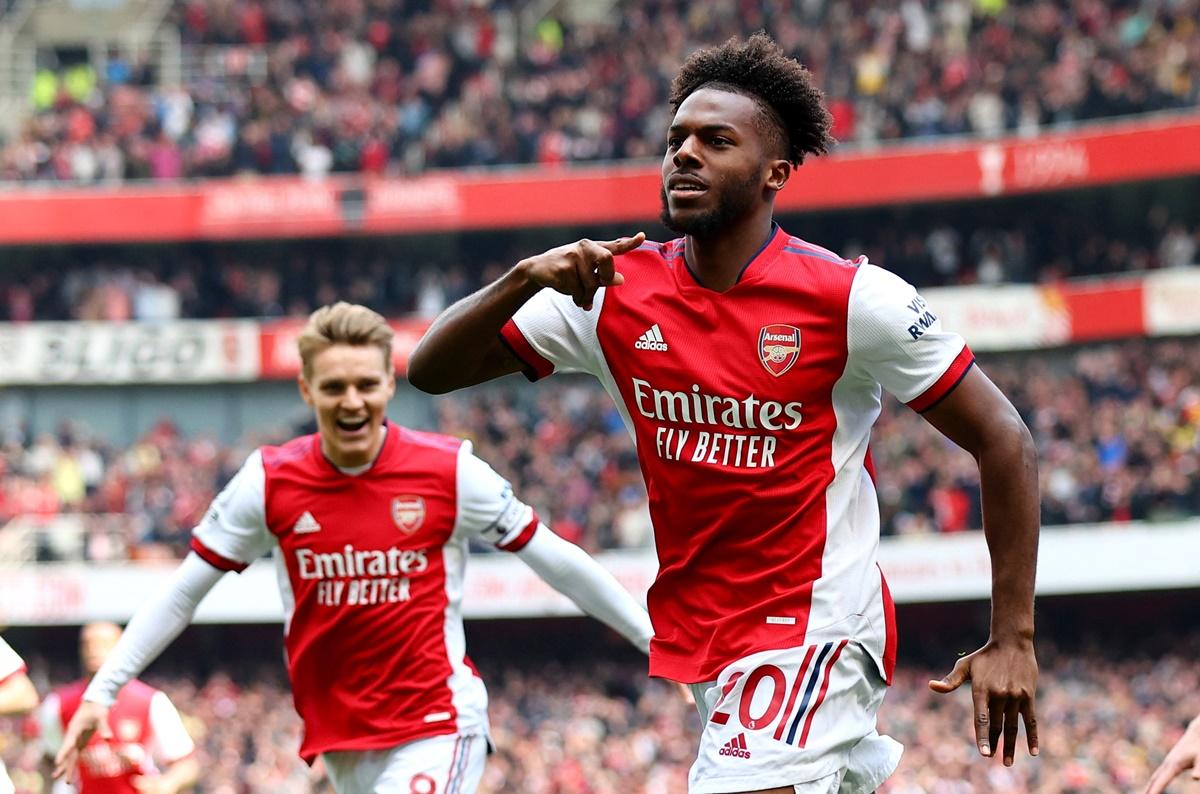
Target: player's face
<point>715,169</point>
<point>96,641</point>
<point>349,391</point>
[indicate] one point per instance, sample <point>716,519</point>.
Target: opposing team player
<point>368,523</point>
<point>144,748</point>
<point>748,365</point>
<point>17,696</point>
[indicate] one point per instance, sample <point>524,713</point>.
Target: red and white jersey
<point>371,570</point>
<point>752,412</point>
<point>146,731</point>
<point>10,665</point>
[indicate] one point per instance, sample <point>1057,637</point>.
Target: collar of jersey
<point>333,468</point>
<point>750,271</point>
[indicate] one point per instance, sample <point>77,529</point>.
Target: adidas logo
<point>651,340</point>
<point>305,524</point>
<point>736,747</point>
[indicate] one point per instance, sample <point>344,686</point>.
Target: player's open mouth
<point>352,425</point>
<point>686,186</point>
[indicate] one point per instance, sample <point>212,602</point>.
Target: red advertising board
<point>267,207</point>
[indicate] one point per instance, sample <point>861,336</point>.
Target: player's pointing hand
<point>581,268</point>
<point>89,718</point>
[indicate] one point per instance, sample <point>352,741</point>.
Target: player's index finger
<point>623,245</point>
<point>981,719</point>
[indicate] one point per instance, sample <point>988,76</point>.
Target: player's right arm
<point>17,693</point>
<point>232,534</point>
<point>463,346</point>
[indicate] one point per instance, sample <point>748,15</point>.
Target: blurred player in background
<point>748,365</point>
<point>368,523</point>
<point>17,696</point>
<point>143,733</point>
<point>1184,757</point>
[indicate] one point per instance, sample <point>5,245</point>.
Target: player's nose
<point>686,153</point>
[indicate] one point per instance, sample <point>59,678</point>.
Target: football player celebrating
<point>368,524</point>
<point>748,364</point>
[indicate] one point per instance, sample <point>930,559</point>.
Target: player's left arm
<point>488,509</point>
<point>1003,673</point>
<point>896,339</point>
<point>573,572</point>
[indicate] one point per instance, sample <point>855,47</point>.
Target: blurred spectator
<point>294,86</point>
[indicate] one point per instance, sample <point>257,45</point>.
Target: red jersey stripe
<point>521,540</point>
<point>536,366</point>
<point>216,560</point>
<point>945,384</point>
<point>16,672</point>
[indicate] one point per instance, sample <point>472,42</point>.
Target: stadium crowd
<point>1117,428</point>
<point>603,728</point>
<point>374,86</point>
<point>1036,244</point>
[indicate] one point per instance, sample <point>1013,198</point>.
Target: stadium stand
<point>313,88</point>
<point>1117,428</point>
<point>1038,243</point>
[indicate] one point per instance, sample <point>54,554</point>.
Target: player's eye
<point>721,142</point>
<point>674,143</point>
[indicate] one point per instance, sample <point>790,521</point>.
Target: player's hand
<point>1003,680</point>
<point>89,718</point>
<point>153,784</point>
<point>579,269</point>
<point>1184,755</point>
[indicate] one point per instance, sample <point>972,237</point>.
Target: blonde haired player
<point>368,524</point>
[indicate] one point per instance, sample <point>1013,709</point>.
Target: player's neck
<point>718,260</point>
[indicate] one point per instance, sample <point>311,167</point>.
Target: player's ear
<point>778,173</point>
<point>305,391</point>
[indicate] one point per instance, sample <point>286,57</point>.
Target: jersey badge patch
<point>778,347</point>
<point>409,513</point>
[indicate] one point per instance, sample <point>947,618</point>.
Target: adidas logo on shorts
<point>736,747</point>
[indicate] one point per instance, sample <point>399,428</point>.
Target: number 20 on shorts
<point>787,717</point>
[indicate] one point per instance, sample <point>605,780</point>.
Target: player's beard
<point>733,202</point>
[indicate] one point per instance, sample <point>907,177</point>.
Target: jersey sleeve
<point>10,662</point>
<point>170,739</point>
<point>233,533</point>
<point>550,333</point>
<point>898,340</point>
<point>50,727</point>
<point>487,507</point>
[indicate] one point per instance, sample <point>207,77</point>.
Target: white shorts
<point>449,764</point>
<point>801,717</point>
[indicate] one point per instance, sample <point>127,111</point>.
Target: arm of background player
<point>572,572</point>
<point>17,694</point>
<point>1003,674</point>
<point>172,748</point>
<point>153,627</point>
<point>462,347</point>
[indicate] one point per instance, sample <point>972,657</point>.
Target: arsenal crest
<point>409,513</point>
<point>778,347</point>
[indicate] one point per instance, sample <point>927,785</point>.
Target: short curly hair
<point>793,108</point>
